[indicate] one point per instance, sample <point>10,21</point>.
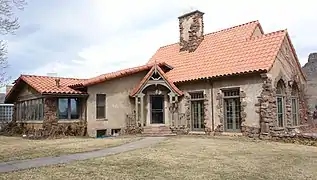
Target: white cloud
<point>117,40</point>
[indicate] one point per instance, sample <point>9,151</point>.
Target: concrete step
<point>157,131</point>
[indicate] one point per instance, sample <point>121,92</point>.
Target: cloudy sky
<point>84,38</point>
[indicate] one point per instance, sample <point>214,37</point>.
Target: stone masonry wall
<point>267,109</point>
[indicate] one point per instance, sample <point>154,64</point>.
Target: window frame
<point>232,94</point>
<point>99,107</point>
<point>30,110</point>
<point>69,109</point>
<point>280,94</point>
<point>295,122</point>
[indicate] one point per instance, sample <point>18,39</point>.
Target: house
<point>238,80</point>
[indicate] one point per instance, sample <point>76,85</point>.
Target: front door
<point>157,109</point>
<point>197,112</point>
<point>232,114</point>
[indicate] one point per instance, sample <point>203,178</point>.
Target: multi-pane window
<point>30,110</point>
<point>232,110</point>
<point>100,106</point>
<point>295,106</point>
<point>6,111</point>
<point>68,108</point>
<point>197,110</point>
<point>280,92</point>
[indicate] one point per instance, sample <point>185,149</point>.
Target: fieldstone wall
<point>219,108</point>
<point>183,126</point>
<point>267,109</point>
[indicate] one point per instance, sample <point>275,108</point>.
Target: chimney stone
<point>57,82</point>
<point>191,29</point>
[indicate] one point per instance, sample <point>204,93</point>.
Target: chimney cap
<point>190,13</point>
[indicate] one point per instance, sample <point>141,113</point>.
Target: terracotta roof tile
<point>226,52</point>
<point>47,85</point>
<point>121,73</point>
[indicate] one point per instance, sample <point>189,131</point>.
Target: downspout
<point>212,106</point>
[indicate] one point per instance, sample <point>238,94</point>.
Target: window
<point>6,112</point>
<point>295,106</point>
<point>100,106</point>
<point>280,92</point>
<point>197,110</point>
<point>68,108</point>
<point>232,110</point>
<point>30,110</point>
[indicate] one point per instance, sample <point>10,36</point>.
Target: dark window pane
<point>74,109</point>
<point>63,108</point>
<point>100,106</point>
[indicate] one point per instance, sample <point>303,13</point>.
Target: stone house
<point>236,80</point>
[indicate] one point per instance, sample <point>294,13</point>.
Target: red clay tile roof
<point>118,74</point>
<point>147,76</point>
<point>47,85</point>
<point>226,52</point>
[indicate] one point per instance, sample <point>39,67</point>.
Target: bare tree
<point>8,25</point>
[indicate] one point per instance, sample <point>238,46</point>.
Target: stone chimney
<point>191,29</point>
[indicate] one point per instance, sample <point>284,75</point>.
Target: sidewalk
<point>45,161</point>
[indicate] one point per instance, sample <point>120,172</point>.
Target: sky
<point>86,38</point>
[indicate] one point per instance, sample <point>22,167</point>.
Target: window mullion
<point>69,108</point>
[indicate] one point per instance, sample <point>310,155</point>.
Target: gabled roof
<point>148,76</point>
<point>47,85</point>
<point>118,74</point>
<point>226,52</point>
<point>232,51</point>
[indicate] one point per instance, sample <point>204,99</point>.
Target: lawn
<point>191,158</point>
<point>16,148</point>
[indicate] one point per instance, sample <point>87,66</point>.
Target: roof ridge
<point>31,75</point>
<point>269,34</point>
<point>226,29</point>
<point>233,27</point>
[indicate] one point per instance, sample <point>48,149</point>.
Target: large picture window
<point>30,110</point>
<point>68,108</point>
<point>100,106</point>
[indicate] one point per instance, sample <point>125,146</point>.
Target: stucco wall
<point>287,68</point>
<point>118,103</point>
<point>192,87</point>
<point>257,32</point>
<point>251,86</point>
<point>285,65</point>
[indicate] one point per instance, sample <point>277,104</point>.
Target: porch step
<point>157,131</point>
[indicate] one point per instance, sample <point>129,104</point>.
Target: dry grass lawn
<point>191,158</point>
<point>16,148</point>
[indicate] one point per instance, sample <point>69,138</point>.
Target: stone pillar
<point>50,112</point>
<point>171,109</point>
<point>137,109</point>
<point>141,95</point>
